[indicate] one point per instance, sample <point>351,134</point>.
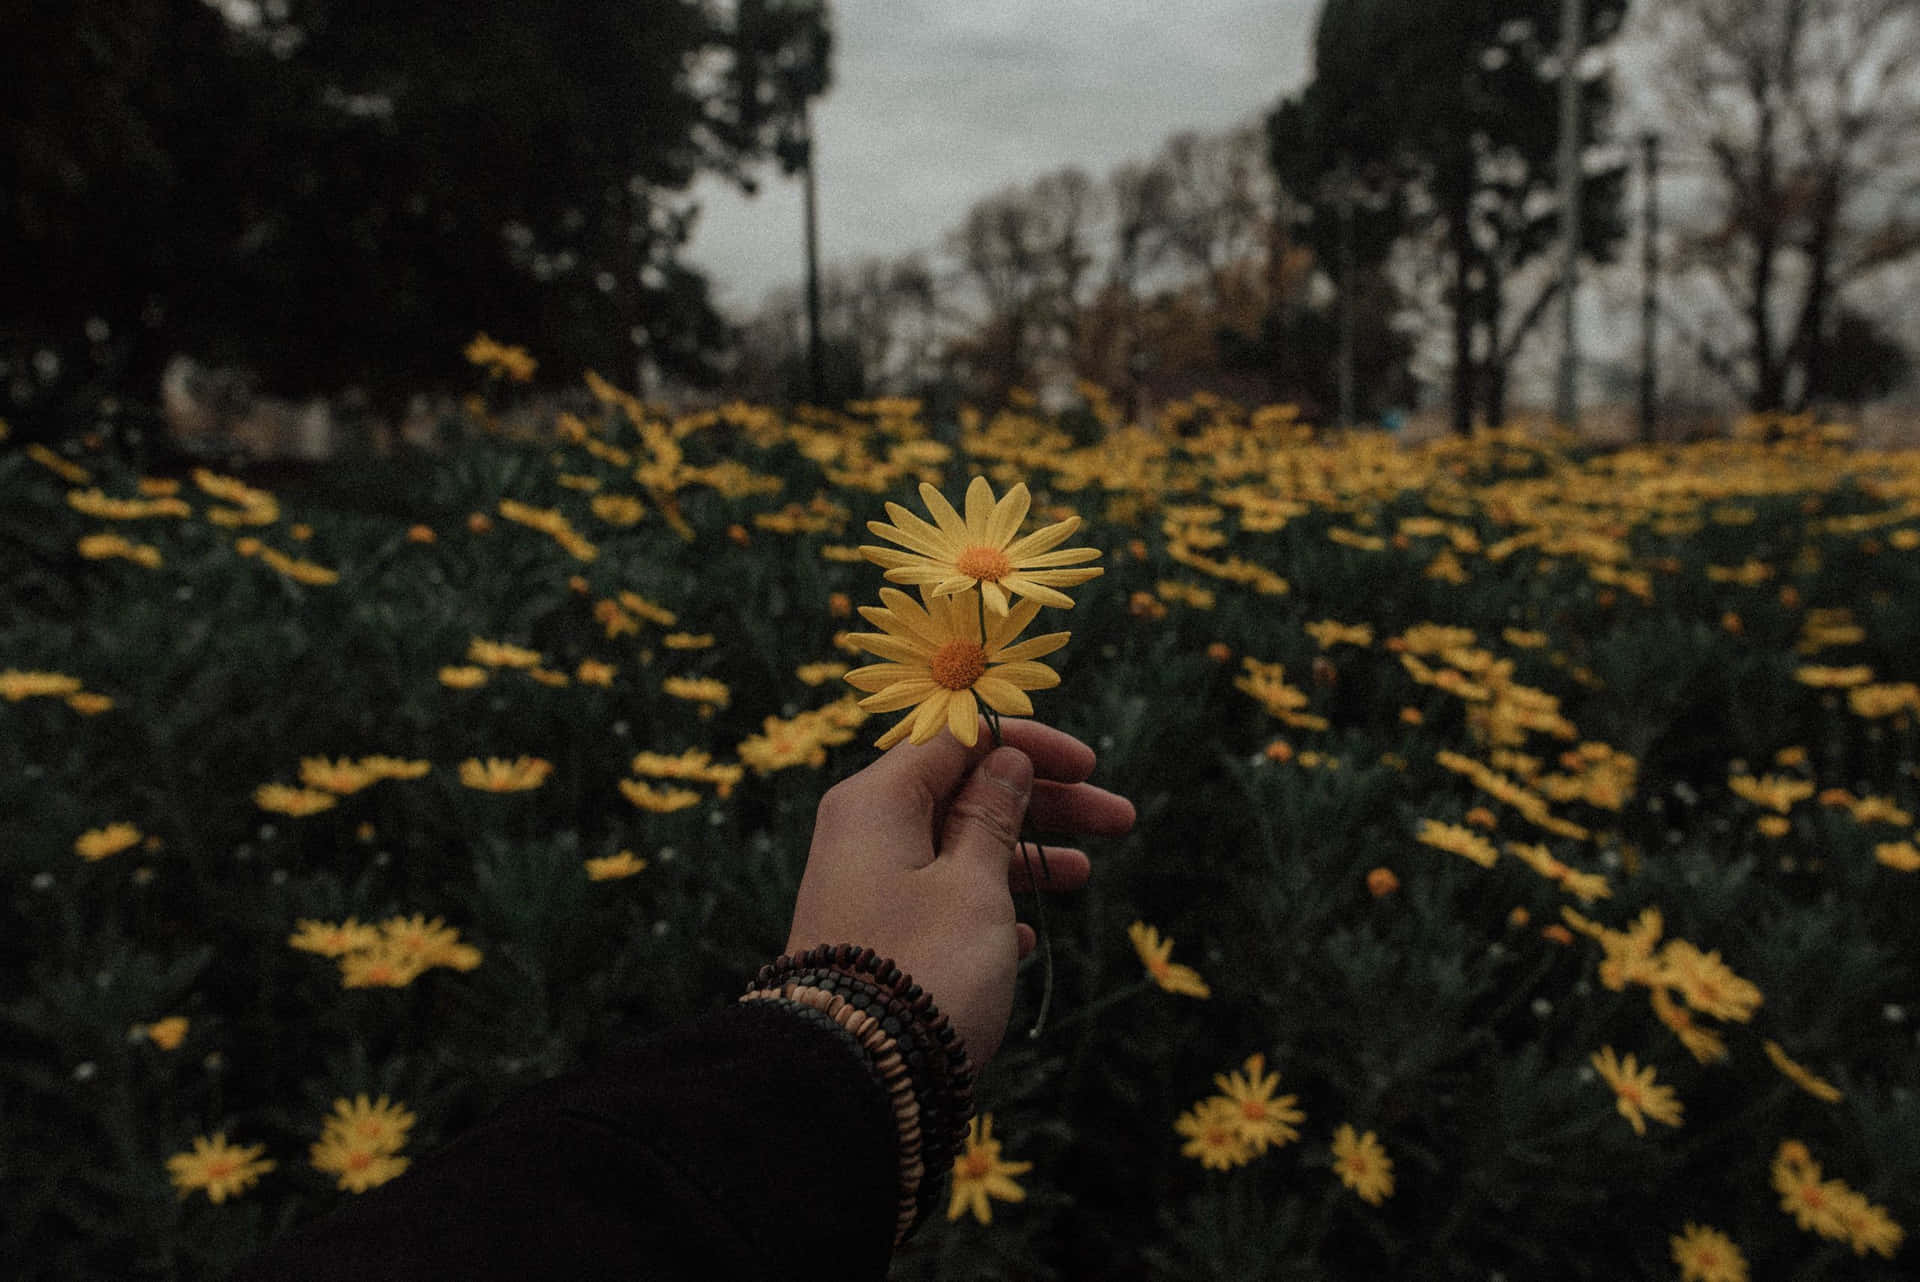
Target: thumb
<point>984,822</point>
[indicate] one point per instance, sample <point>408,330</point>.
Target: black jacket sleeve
<point>750,1144</point>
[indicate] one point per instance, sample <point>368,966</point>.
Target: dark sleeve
<point>750,1144</point>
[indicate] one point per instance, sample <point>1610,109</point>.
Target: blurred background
<point>270,226</point>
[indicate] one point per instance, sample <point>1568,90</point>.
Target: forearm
<point>747,1144</point>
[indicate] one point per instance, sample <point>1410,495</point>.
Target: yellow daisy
<point>660,801</point>
<point>333,939</point>
<point>612,867</point>
<point>166,1033</point>
<point>980,550</point>
<point>342,776</point>
<point>497,775</point>
<point>1801,1076</point>
<point>1707,1255</point>
<point>940,664</point>
<point>1635,1094</point>
<point>979,1173</point>
<point>1170,975</point>
<point>356,1166</point>
<point>1362,1165</point>
<point>381,1125</point>
<point>216,1168</point>
<point>1262,1120</point>
<point>98,843</point>
<point>281,799</point>
<point>1214,1135</point>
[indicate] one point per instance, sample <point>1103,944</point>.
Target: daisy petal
<point>901,694</point>
<point>994,596</point>
<point>980,506</point>
<point>931,715</point>
<point>1031,648</point>
<point>1028,676</point>
<point>1065,556</point>
<point>878,676</point>
<point>1007,516</point>
<point>899,649</point>
<point>1026,587</point>
<point>1062,578</point>
<point>943,513</point>
<point>963,717</point>
<point>1043,539</point>
<point>1003,696</point>
<point>1010,625</point>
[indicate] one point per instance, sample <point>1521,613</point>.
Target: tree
<point>342,194</point>
<point>1803,119</point>
<point>1027,254</point>
<point>1443,115</point>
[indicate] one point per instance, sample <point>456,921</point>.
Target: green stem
<point>1041,934</point>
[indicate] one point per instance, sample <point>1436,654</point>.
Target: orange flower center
<point>1253,1110</point>
<point>976,1165</point>
<point>990,564</point>
<point>221,1168</point>
<point>958,664</point>
<point>359,1160</point>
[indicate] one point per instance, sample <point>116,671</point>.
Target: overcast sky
<point>936,104</point>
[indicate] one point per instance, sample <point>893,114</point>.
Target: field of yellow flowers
<point>1524,885</point>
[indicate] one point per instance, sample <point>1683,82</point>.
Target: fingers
<point>1079,807</point>
<point>1056,754</point>
<point>984,821</point>
<point>1052,868</point>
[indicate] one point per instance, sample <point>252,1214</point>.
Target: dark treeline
<point>337,197</point>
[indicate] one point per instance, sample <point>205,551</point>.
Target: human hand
<point>873,878</point>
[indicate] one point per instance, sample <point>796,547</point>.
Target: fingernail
<point>1010,768</point>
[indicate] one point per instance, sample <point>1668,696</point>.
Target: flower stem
<point>1046,874</point>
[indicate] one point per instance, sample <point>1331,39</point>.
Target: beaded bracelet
<point>909,1047</point>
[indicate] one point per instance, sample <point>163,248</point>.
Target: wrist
<point>906,1043</point>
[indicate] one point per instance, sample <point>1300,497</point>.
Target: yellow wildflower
<point>1636,1096</point>
<point>1818,1087</point>
<point>167,1033</point>
<point>1457,840</point>
<point>942,665</point>
<point>1154,954</point>
<point>1263,1121</point>
<point>1214,1136</point>
<point>1328,633</point>
<point>661,801</point>
<point>498,775</point>
<point>98,843</point>
<point>463,678</point>
<point>331,939</point>
<point>381,966</point>
<point>981,551</point>
<point>216,1168</point>
<point>1707,1255</point>
<point>708,692</point>
<point>341,776</point>
<point>498,654</point>
<point>1362,1165</point>
<point>299,802</point>
<point>980,1173</point>
<point>612,867</point>
<point>16,685</point>
<point>1898,855</point>
<point>593,672</point>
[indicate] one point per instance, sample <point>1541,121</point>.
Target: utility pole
<point>1572,36</point>
<point>815,381</point>
<point>1650,286</point>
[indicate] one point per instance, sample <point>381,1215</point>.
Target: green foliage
<point>1664,606</point>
